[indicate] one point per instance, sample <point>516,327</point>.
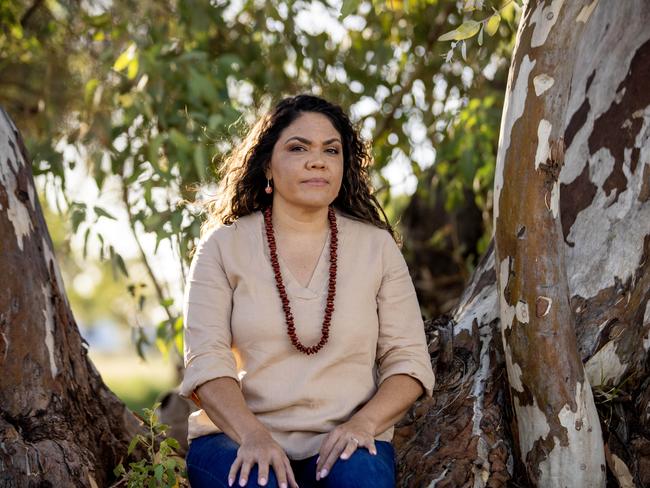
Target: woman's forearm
<point>224,404</point>
<point>394,397</point>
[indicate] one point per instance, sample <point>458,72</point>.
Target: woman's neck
<point>289,219</point>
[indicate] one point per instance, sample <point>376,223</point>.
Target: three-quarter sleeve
<point>207,307</point>
<point>401,347</point>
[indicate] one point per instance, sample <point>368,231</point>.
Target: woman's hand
<point>258,447</point>
<point>343,441</point>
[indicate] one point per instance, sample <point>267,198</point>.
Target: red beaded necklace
<point>329,308</point>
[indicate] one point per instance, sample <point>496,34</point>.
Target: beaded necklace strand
<point>331,290</point>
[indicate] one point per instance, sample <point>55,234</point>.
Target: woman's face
<point>307,163</point>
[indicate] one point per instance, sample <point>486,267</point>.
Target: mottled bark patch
<point>616,129</point>
<point>577,121</point>
<point>575,197</point>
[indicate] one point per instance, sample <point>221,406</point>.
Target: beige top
<point>234,326</point>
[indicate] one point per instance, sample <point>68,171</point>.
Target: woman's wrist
<point>365,421</point>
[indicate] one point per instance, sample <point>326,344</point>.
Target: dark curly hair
<point>241,187</point>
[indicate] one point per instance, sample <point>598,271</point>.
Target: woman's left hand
<point>343,441</point>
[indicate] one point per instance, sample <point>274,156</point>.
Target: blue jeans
<point>210,457</point>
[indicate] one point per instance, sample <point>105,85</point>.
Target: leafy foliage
<point>161,467</point>
<point>150,95</point>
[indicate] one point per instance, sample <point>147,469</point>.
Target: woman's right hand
<point>258,447</point>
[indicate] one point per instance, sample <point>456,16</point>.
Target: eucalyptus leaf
<point>464,31</point>
<point>492,24</point>
<point>349,7</point>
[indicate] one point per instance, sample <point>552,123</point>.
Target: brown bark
<point>59,424</point>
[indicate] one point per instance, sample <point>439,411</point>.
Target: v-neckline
<point>316,286</point>
<point>311,285</point>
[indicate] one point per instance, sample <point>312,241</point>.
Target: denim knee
<point>209,460</point>
<point>364,470</point>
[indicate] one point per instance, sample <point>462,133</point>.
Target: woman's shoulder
<point>364,230</point>
<point>234,233</point>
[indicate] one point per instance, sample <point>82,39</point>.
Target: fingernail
<point>263,481</point>
<point>344,456</point>
<point>230,481</point>
<point>317,459</point>
<point>317,476</point>
<point>242,481</point>
<point>283,485</point>
<point>323,473</point>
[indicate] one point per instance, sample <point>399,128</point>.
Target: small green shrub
<point>161,467</point>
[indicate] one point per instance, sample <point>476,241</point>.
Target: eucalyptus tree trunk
<point>59,424</point>
<point>572,215</point>
<point>560,439</point>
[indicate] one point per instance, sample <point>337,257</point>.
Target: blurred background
<point>127,107</point>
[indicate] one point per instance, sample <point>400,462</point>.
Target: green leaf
<point>103,213</point>
<point>89,89</point>
<point>173,443</point>
<point>178,334</point>
<point>120,264</point>
<point>158,472</point>
<point>125,58</point>
<point>492,24</point>
<point>349,7</point>
<point>78,216</point>
<point>85,249</point>
<point>132,444</point>
<point>132,70</point>
<point>464,31</point>
<point>119,470</point>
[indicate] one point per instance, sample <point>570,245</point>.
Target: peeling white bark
<point>542,83</point>
<point>604,249</point>
<point>481,468</point>
<point>482,308</point>
<point>92,482</point>
<point>48,316</point>
<point>622,473</point>
<point>543,305</point>
<point>521,312</point>
<point>584,442</point>
<point>507,311</point>
<point>514,370</point>
<point>555,200</point>
<point>6,341</point>
<point>585,13</point>
<point>478,389</point>
<point>17,212</point>
<point>606,246</point>
<point>543,146</point>
<point>537,425</point>
<point>544,17</point>
<point>605,366</point>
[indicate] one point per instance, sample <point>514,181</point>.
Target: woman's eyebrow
<point>308,142</point>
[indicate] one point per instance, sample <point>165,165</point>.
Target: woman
<point>304,342</point>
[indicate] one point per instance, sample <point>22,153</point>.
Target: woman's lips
<point>316,182</point>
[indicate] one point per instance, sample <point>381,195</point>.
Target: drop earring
<point>269,188</point>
